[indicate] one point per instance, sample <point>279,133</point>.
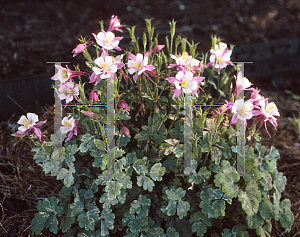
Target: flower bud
<point>172,27</point>
<point>93,96</point>
<point>125,131</point>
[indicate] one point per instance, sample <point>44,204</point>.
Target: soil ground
<point>35,32</point>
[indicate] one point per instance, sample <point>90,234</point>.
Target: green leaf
<point>142,136</point>
<point>218,208</point>
<point>156,172</point>
<point>123,116</point>
<point>52,222</point>
<point>216,155</point>
<point>171,208</point>
<point>49,205</point>
<point>87,140</point>
<point>100,159</point>
<point>76,208</point>
<point>215,208</point>
<point>266,181</point>
<point>113,188</point>
<point>226,179</point>
<point>202,175</point>
<point>139,166</point>
<point>124,180</point>
<point>175,195</point>
<point>155,232</point>
<point>171,232</point>
<point>87,219</point>
<point>101,145</point>
<point>107,221</point>
<point>199,223</point>
<point>130,158</point>
<point>287,217</point>
<point>147,97</point>
<point>227,233</point>
<point>163,99</point>
<point>265,209</point>
<point>182,208</point>
<point>273,154</point>
<point>66,222</point>
<point>279,181</point>
<point>38,222</point>
<point>261,149</point>
<point>254,221</point>
<point>147,183</point>
<point>250,199</point>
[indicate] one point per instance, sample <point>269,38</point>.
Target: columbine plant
<point>151,192</point>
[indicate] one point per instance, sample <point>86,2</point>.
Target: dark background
<point>35,32</point>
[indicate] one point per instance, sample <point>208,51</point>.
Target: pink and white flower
<point>138,64</point>
<point>185,82</point>
<point>28,124</point>
<point>114,24</point>
<point>68,91</point>
<point>69,126</point>
<point>107,40</point>
<point>267,112</point>
<point>124,107</point>
<point>242,83</point>
<point>255,96</point>
<point>64,75</point>
<point>106,68</point>
<point>80,47</point>
<point>242,111</point>
<point>185,61</point>
<point>220,56</point>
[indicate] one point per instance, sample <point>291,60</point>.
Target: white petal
<point>132,70</point>
<point>21,120</point>
<point>33,118</point>
<point>223,46</point>
<point>110,34</point>
<point>194,85</point>
<point>97,70</point>
<point>188,75</point>
<point>139,58</point>
<point>179,75</point>
<point>101,36</point>
<point>176,83</point>
<point>108,61</point>
<point>99,61</point>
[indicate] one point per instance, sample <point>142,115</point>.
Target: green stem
<point>171,125</point>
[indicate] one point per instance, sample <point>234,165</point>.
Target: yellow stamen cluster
<point>68,91</point>
<point>185,82</point>
<point>67,124</point>
<point>108,39</point>
<point>136,64</point>
<point>220,60</point>
<point>104,66</point>
<point>243,110</point>
<point>26,122</point>
<point>185,56</point>
<point>65,74</point>
<point>270,108</point>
